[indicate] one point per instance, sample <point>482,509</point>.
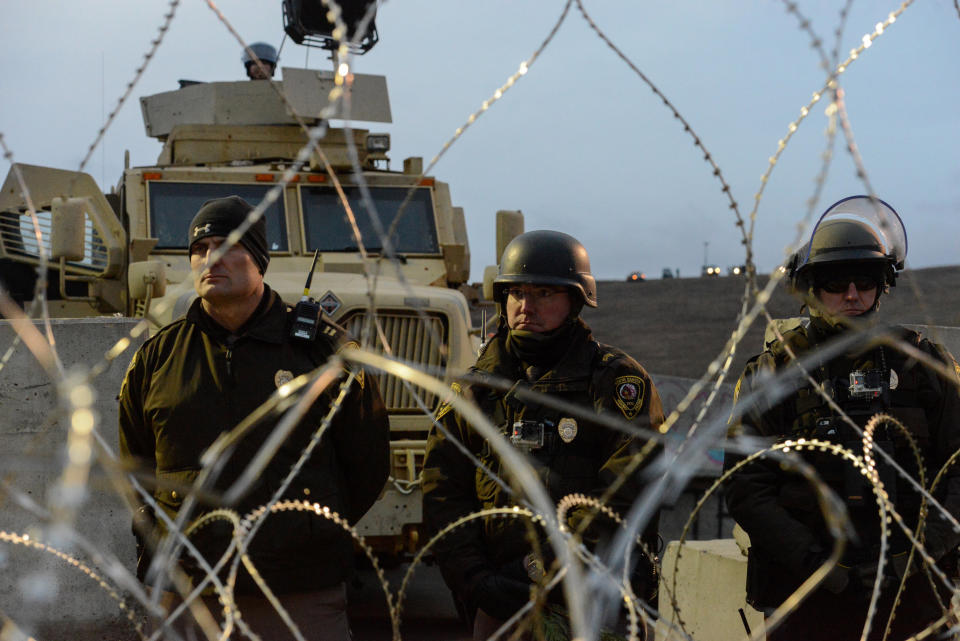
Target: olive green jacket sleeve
<point>137,445</point>
<point>624,456</point>
<point>752,494</point>
<point>449,493</point>
<point>943,416</point>
<point>361,434</point>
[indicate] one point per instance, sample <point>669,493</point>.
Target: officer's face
<point>234,277</point>
<point>855,296</point>
<point>537,308</point>
<point>254,72</point>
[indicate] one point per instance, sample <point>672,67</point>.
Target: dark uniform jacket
<point>597,378</point>
<point>193,381</point>
<point>779,510</point>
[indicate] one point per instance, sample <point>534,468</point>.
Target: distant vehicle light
<point>636,277</point>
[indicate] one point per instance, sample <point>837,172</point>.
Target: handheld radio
<point>306,314</point>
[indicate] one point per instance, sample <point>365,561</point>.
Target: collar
<point>268,322</point>
<point>575,364</point>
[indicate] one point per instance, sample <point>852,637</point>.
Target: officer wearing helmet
<point>851,260</point>
<point>542,353</point>
<point>260,60</point>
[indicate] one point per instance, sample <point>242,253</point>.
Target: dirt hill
<point>677,326</point>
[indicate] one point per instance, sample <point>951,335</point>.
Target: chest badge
<point>629,395</point>
<point>894,380</point>
<point>567,428</point>
<point>282,377</point>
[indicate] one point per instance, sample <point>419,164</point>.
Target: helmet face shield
<point>856,228</point>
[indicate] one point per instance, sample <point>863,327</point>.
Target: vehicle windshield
<point>174,204</point>
<point>327,228</point>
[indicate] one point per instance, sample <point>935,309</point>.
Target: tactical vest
<point>876,381</point>
<point>565,465</point>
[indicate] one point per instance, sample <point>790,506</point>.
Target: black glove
<point>498,595</point>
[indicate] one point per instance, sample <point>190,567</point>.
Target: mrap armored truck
<point>125,253</point>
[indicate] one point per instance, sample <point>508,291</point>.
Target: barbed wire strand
<point>173,4</point>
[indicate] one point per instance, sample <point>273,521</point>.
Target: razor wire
<point>76,391</point>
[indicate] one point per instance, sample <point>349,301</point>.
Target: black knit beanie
<point>220,216</point>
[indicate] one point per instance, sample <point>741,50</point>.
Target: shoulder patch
<point>444,409</point>
<point>628,394</point>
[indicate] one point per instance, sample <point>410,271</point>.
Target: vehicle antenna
<point>313,267</point>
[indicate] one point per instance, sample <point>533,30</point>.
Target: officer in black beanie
<point>220,216</point>
<point>196,379</point>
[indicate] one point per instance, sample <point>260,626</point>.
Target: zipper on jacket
<point>229,343</point>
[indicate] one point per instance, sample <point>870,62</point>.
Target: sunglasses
<point>841,284</point>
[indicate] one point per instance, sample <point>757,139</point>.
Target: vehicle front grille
<point>416,339</point>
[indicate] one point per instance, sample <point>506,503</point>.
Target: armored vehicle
<point>125,253</point>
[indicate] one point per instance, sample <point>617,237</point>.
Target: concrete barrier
<point>710,592</point>
<point>39,591</point>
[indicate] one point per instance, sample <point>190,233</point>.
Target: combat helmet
<point>265,52</point>
<point>858,233</point>
<point>545,257</point>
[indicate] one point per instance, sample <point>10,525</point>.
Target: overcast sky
<point>580,143</point>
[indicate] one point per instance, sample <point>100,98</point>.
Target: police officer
<point>206,372</point>
<point>541,346</point>
<point>851,261</point>
<point>268,61</point>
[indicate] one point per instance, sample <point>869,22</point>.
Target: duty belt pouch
<point>857,489</point>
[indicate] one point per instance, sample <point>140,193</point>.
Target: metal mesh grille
<point>20,239</point>
<point>411,338</point>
